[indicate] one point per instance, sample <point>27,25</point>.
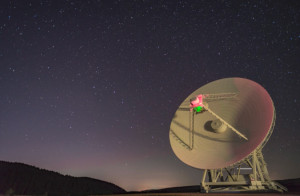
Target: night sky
<point>89,88</point>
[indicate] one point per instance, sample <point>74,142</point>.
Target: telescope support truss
<point>234,179</point>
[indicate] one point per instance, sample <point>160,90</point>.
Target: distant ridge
<point>22,179</point>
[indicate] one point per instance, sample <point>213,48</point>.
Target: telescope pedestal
<point>233,179</point>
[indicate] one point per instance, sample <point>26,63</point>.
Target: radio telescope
<point>221,128</point>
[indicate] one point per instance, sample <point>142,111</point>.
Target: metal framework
<point>233,179</point>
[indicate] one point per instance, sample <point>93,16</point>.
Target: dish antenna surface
<point>221,128</point>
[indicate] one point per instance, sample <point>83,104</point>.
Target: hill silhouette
<point>22,179</point>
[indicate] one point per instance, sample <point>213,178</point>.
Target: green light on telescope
<point>198,108</point>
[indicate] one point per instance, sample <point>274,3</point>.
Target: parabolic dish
<point>201,140</point>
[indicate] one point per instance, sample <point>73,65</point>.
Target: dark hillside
<point>24,179</point>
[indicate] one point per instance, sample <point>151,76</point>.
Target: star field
<point>89,88</point>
